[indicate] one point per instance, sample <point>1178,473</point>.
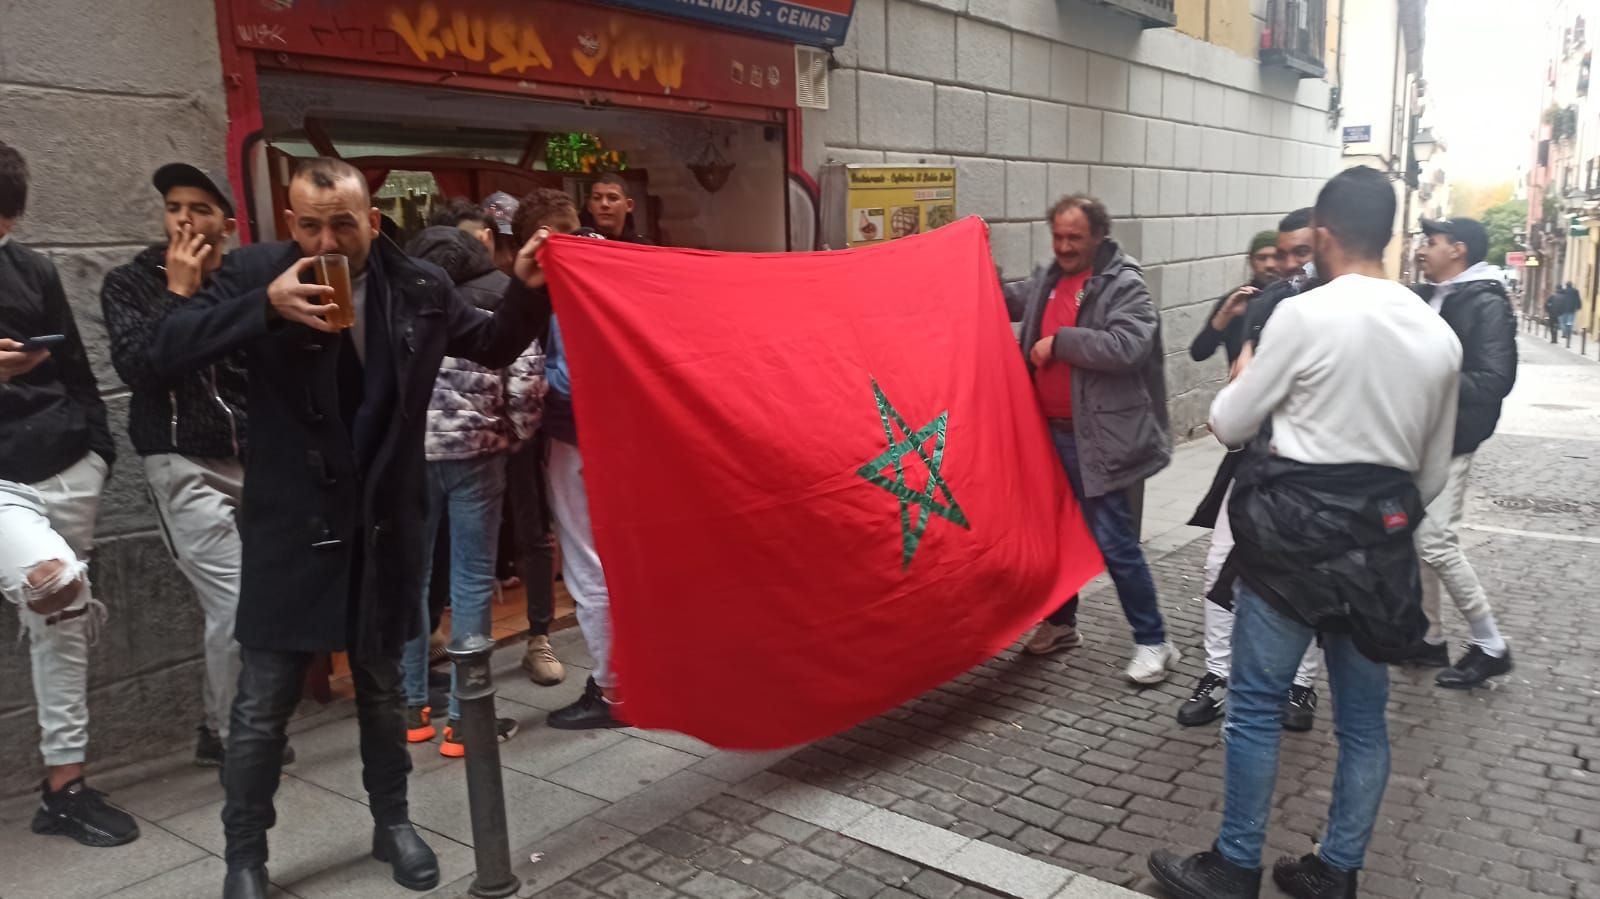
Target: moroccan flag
<point>820,483</point>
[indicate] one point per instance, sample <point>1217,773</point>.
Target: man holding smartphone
<point>55,454</point>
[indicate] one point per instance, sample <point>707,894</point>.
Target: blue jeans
<point>1110,519</point>
<point>1267,646</point>
<point>470,491</point>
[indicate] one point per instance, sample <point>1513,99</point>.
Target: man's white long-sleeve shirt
<point>1359,370</point>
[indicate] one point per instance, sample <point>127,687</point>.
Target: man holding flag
<point>1093,340</point>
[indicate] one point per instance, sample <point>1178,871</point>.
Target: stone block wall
<point>96,96</point>
<point>1193,147</point>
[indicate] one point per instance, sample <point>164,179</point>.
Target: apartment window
<point>1583,75</point>
<point>1295,37</point>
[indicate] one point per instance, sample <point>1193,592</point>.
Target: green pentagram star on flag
<point>917,508</point>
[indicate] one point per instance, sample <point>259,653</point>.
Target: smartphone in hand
<point>42,342</point>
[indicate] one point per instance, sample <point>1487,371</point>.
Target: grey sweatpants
<point>198,501</point>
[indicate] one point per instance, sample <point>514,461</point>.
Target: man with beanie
<point>1231,325</point>
<point>1466,291</point>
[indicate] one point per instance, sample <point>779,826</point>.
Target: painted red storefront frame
<point>245,51</point>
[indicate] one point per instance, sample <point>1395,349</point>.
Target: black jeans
<point>529,517</point>
<point>269,689</point>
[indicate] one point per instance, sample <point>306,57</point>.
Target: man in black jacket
<point>1468,293</point>
<point>55,454</point>
<point>190,431</point>
<point>334,491</point>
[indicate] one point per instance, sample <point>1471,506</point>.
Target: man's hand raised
<point>526,266</point>
<point>297,302</point>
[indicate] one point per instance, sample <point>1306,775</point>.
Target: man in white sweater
<point>1358,383</point>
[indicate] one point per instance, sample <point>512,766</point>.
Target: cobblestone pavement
<point>731,849</point>
<point>1494,792</point>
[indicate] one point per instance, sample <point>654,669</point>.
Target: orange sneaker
<point>453,747</point>
<point>419,724</point>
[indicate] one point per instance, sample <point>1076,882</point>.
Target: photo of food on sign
<point>868,225</point>
<point>903,221</point>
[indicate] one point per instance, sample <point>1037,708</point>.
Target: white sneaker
<point>1151,663</point>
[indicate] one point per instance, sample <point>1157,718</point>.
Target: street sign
<point>1516,259</point>
<point>1357,134</point>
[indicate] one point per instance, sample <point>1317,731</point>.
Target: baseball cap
<point>182,174</point>
<point>501,208</point>
<point>1461,230</point>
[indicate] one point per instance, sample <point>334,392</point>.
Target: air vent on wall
<point>810,78</point>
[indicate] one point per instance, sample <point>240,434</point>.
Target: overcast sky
<point>1484,63</point>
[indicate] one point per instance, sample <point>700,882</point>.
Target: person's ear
<point>230,227</point>
<point>375,220</point>
<point>288,223</point>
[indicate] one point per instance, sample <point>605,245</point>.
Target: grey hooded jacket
<point>1119,388</point>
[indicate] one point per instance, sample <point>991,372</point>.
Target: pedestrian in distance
<point>1323,514</point>
<point>1091,337</point>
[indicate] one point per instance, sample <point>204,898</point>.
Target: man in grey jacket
<point>1092,338</point>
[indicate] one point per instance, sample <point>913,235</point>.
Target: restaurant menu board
<point>869,204</point>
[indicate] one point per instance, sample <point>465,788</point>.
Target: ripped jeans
<point>53,520</point>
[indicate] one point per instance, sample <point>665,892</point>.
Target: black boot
<point>245,882</point>
<point>1205,875</point>
<point>415,865</point>
<point>1309,877</point>
<point>1474,668</point>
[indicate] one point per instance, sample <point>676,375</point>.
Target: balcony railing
<point>1150,13</point>
<point>1296,37</point>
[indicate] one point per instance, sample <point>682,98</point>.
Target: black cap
<point>1461,230</point>
<point>182,174</point>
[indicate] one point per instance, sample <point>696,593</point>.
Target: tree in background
<point>1474,200</point>
<point>1501,221</point>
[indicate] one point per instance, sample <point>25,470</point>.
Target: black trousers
<point>270,685</point>
<point>529,516</point>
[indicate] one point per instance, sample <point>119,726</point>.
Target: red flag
<point>820,483</point>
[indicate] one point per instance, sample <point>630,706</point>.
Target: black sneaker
<point>1208,702</point>
<point>1431,655</point>
<point>208,749</point>
<point>1474,668</point>
<point>1309,877</point>
<point>591,711</point>
<point>1300,712</point>
<point>84,814</point>
<point>1206,875</point>
<point>453,747</point>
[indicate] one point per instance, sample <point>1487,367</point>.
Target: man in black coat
<point>1467,292</point>
<point>334,491</point>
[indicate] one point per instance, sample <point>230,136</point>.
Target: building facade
<point>1563,175</point>
<point>1199,122</point>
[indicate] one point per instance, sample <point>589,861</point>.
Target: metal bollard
<point>486,798</point>
<point>1569,340</point>
<point>1583,342</point>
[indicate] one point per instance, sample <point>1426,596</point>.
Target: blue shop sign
<point>818,23</point>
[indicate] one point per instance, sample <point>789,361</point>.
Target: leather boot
<point>245,882</point>
<point>415,865</point>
